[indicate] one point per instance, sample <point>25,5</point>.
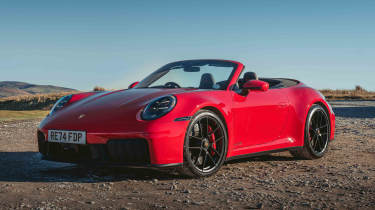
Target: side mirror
<point>256,85</point>
<point>133,85</point>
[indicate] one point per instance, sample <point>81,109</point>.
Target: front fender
<point>80,96</point>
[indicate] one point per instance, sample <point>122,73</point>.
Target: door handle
<point>283,104</point>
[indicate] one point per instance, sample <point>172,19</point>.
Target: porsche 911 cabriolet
<point>193,115</point>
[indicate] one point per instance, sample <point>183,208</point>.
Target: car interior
<point>208,82</point>
<point>275,83</point>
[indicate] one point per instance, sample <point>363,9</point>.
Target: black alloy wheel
<point>317,134</point>
<point>205,146</point>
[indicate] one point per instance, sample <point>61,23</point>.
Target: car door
<point>259,117</point>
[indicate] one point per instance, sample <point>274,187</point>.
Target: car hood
<point>117,108</point>
<point>126,98</point>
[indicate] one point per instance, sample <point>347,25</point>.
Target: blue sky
<point>80,44</point>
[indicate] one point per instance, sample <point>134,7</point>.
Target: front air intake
<point>134,151</point>
<point>42,143</point>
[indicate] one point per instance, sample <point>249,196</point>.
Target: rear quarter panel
<point>301,98</point>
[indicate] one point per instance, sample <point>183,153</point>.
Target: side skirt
<point>262,153</point>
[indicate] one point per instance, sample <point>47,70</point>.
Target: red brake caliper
<point>212,140</point>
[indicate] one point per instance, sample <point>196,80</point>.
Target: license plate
<point>71,137</point>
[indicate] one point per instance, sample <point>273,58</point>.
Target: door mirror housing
<point>256,85</point>
<point>133,85</point>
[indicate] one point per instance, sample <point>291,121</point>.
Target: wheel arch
<point>306,152</point>
<point>330,115</point>
<point>217,102</point>
<point>324,107</point>
<point>218,113</point>
<point>302,98</point>
<point>223,119</point>
<point>320,103</point>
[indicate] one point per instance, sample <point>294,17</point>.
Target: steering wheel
<point>172,85</point>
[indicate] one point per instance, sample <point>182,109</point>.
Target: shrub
<point>358,88</point>
<point>97,88</point>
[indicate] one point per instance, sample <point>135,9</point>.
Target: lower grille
<point>129,150</point>
<point>123,151</point>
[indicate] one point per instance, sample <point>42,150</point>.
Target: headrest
<point>250,76</point>
<point>207,81</point>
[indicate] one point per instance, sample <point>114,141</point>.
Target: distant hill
<point>13,88</point>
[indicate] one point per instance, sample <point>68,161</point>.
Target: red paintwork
<point>256,85</point>
<point>260,121</point>
<point>80,96</point>
<point>133,85</point>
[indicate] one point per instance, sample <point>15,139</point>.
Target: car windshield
<point>200,74</point>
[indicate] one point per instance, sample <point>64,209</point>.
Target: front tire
<point>317,134</point>
<point>205,146</point>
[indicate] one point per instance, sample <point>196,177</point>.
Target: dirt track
<point>344,178</point>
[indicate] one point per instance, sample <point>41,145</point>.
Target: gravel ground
<point>343,179</point>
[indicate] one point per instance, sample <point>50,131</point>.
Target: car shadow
<point>265,158</point>
<point>355,112</point>
<point>28,167</point>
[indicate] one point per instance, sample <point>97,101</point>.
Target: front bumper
<point>161,148</point>
<point>333,126</point>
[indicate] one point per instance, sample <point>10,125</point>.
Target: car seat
<point>207,81</point>
<point>247,77</point>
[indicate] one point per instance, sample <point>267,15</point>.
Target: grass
<point>31,102</point>
<point>6,115</point>
<point>37,97</point>
<point>358,93</point>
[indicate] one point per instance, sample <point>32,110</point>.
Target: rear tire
<point>317,134</point>
<point>205,146</point>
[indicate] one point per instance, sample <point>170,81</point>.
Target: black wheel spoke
<point>215,151</point>
<point>196,138</point>
<point>219,139</point>
<point>312,131</point>
<point>200,152</point>
<point>204,161</point>
<point>195,147</point>
<point>314,122</point>
<point>212,132</point>
<point>321,142</point>
<point>317,143</point>
<point>211,158</point>
<point>320,119</point>
<point>323,126</point>
<point>200,128</point>
<point>313,141</point>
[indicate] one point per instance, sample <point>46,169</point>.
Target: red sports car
<point>194,115</point>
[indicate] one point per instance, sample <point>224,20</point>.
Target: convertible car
<point>193,115</point>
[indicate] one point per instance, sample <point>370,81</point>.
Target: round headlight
<point>60,104</point>
<point>159,107</point>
